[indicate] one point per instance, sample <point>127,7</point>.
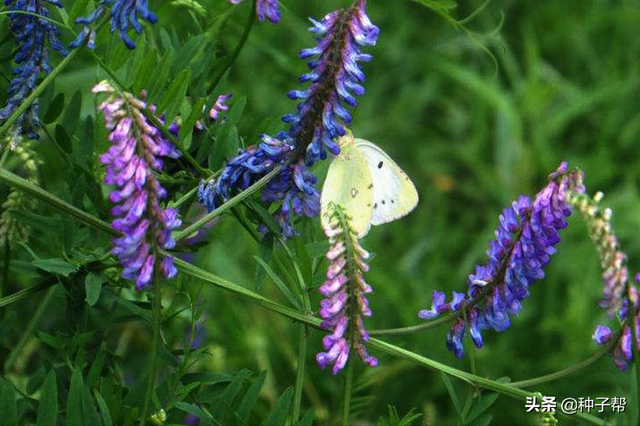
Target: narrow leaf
<point>48,409</point>
<point>251,397</point>
<point>75,415</point>
<point>279,414</point>
<point>93,287</point>
<point>8,407</point>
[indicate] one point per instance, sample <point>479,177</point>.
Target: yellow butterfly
<point>368,184</point>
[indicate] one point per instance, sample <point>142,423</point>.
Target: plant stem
<point>19,295</point>
<point>564,372</point>
<point>36,92</point>
<point>300,371</point>
<point>157,316</point>
<point>346,409</point>
<point>26,333</point>
<point>226,206</point>
<point>17,182</point>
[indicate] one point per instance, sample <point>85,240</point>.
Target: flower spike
<point>525,241</point>
<point>620,297</point>
<point>137,152</point>
<point>122,14</point>
<point>335,79</point>
<point>345,304</point>
<point>33,33</point>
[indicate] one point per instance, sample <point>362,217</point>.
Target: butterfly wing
<point>349,184</point>
<point>394,195</point>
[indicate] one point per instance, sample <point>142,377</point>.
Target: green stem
<point>36,92</point>
<point>300,371</point>
<point>157,315</point>
<point>348,385</point>
<point>26,333</point>
<point>236,51</point>
<point>189,230</point>
<point>17,182</point>
<point>564,372</point>
<point>25,292</point>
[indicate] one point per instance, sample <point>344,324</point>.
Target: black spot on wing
<point>380,165</point>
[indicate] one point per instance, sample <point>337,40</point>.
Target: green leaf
<point>143,76</point>
<point>278,282</point>
<point>55,109</point>
<point>186,129</point>
<point>63,139</point>
<point>75,414</point>
<point>484,420</point>
<point>279,414</point>
<point>307,418</point>
<point>160,77</point>
<point>193,5</point>
<point>104,410</point>
<point>71,117</point>
<point>174,95</point>
<point>251,397</point>
<point>96,367</point>
<point>205,418</point>
<point>8,407</point>
<point>77,9</point>
<point>48,408</point>
<point>93,287</point>
<point>188,53</point>
<point>89,411</point>
<point>452,392</point>
<point>56,266</point>
<point>266,253</point>
<point>485,402</point>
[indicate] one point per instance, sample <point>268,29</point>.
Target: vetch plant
<point>138,150</point>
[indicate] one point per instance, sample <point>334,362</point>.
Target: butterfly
<point>368,184</point>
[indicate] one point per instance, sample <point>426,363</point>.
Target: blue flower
<point>525,239</point>
<point>294,186</point>
<point>123,13</point>
<point>335,79</point>
<point>33,34</point>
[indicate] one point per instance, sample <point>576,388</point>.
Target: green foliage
<point>471,135</point>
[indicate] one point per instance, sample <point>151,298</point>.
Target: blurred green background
<point>473,130</point>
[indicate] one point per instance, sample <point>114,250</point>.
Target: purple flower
<point>265,9</point>
<point>620,297</point>
<point>335,79</point>
<point>136,152</point>
<point>191,420</point>
<point>345,303</point>
<point>219,107</point>
<point>122,14</point>
<point>525,240</point>
<point>294,185</point>
<point>33,35</point>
